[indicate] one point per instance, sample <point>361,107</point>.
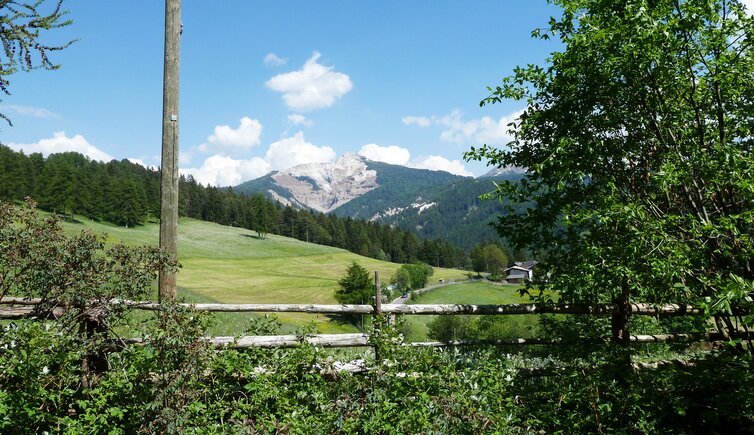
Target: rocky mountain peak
<point>504,171</point>
<point>326,186</point>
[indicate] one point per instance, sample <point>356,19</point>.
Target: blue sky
<point>269,84</point>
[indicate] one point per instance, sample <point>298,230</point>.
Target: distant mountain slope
<point>431,204</point>
<point>452,211</point>
<point>399,187</point>
<point>328,186</point>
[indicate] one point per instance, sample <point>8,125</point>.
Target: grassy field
<point>232,265</point>
<point>477,293</point>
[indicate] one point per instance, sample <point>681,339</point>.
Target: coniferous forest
<point>128,194</point>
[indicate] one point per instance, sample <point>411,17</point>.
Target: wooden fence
<point>15,308</point>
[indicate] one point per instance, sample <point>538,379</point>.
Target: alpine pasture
<point>233,265</point>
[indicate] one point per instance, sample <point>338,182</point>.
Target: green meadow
<point>472,293</point>
<point>233,265</point>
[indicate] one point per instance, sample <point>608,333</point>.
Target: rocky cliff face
<point>506,171</point>
<point>326,186</point>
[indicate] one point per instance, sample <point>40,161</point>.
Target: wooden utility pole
<point>169,177</point>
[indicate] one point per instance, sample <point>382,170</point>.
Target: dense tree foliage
<point>356,287</point>
<point>128,194</point>
<point>412,276</point>
<point>637,141</point>
<point>489,258</point>
<point>448,200</point>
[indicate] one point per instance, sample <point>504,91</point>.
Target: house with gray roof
<point>521,271</point>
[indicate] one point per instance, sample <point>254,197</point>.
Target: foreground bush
<point>173,383</point>
<point>70,373</point>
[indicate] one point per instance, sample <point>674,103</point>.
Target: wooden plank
<point>424,309</point>
<point>506,342</point>
<point>507,309</point>
<point>25,312</point>
<point>277,341</point>
<point>266,308</point>
<point>16,313</point>
<point>13,300</point>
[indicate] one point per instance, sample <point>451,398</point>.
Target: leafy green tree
<point>495,259</point>
<point>637,141</point>
<point>402,279</point>
<point>488,257</point>
<point>418,273</point>
<point>450,328</point>
<point>40,261</point>
<point>21,26</point>
<point>356,287</point>
<point>478,264</point>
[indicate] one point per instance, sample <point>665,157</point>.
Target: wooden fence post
<point>621,336</point>
<point>377,310</point>
<point>377,293</point>
<point>619,320</point>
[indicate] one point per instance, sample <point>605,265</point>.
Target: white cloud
<point>485,130</point>
<point>59,143</point>
<point>749,5</point>
<point>220,170</point>
<point>184,157</point>
<point>396,155</point>
<point>35,112</point>
<point>242,138</point>
<point>298,119</point>
<point>421,121</point>
<point>440,163</point>
<point>295,150</point>
<point>392,154</point>
<point>141,162</point>
<point>313,87</point>
<point>273,60</point>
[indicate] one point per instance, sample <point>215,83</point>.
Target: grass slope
<point>476,293</point>
<point>232,265</point>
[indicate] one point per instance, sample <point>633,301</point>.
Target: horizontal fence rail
<point>18,308</point>
<point>414,309</point>
<point>363,340</point>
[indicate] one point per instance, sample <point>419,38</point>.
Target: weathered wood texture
<point>360,339</point>
<point>273,341</point>
<point>279,341</point>
<point>169,163</point>
<point>435,309</point>
<point>26,312</point>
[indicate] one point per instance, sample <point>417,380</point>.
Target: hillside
<point>233,265</point>
<point>452,211</point>
<point>326,187</point>
<point>127,194</point>
<point>430,204</point>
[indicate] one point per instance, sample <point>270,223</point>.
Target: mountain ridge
<point>428,203</point>
<point>324,187</point>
